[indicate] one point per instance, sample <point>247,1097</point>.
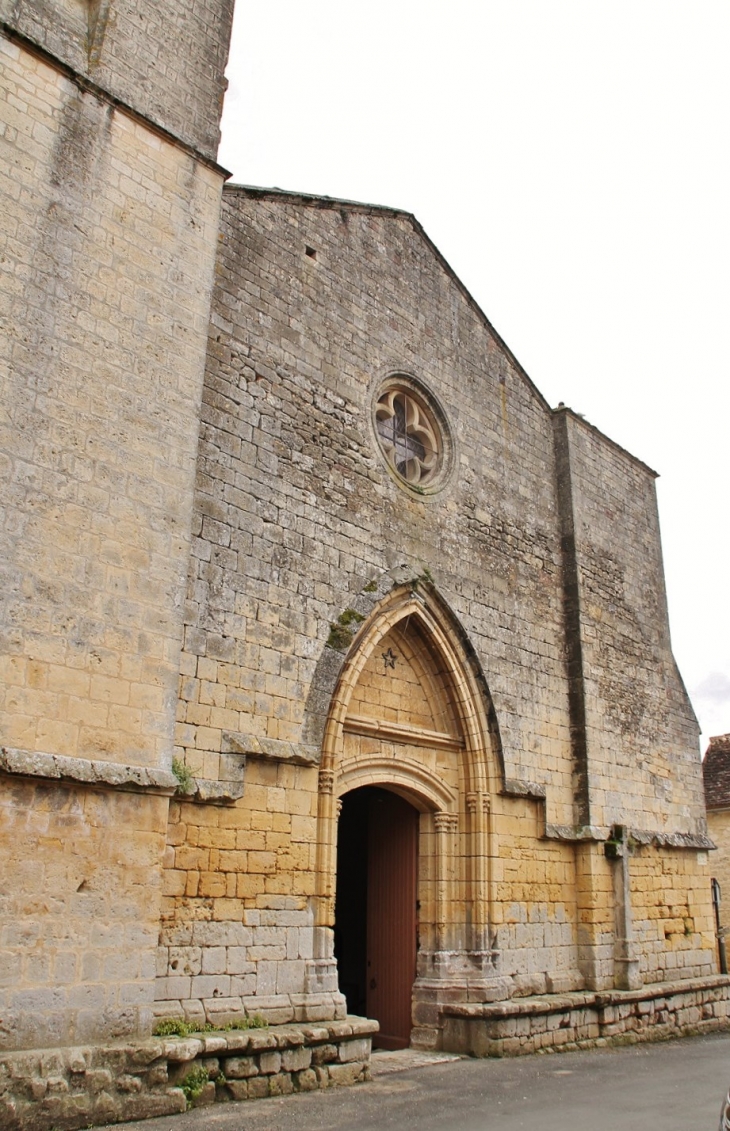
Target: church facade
<point>336,670</point>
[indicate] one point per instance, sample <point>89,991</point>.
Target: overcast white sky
<point>571,160</point>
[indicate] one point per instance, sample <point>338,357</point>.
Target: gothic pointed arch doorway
<point>411,717</point>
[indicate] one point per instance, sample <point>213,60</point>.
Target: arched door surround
<point>411,713</point>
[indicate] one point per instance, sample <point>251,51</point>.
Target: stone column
<point>477,807</point>
<point>452,972</point>
<point>321,999</point>
<point>627,975</point>
<point>445,825</point>
<point>626,961</point>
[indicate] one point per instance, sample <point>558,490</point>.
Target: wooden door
<point>391,916</point>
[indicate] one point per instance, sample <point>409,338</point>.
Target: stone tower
<point>111,195</point>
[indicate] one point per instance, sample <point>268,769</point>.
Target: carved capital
<point>326,781</point>
<point>445,822</point>
<point>477,802</point>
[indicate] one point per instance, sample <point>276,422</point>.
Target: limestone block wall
<point>106,274</point>
<point>297,519</point>
<point>296,512</point>
<point>105,278</point>
<point>165,60</point>
<point>673,919</point>
<point>643,763</point>
<point>79,911</point>
<point>596,925</point>
<point>237,925</point>
<point>535,902</point>
<point>718,827</point>
<point>297,515</point>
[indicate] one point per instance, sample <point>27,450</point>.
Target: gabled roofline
<point>312,200</point>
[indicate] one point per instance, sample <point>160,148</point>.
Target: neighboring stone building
<point>403,625</point>
<point>716,771</point>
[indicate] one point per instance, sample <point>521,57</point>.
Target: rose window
<point>408,436</point>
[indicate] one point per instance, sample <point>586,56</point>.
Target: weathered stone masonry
<point>278,502</point>
<point>299,526</point>
<point>80,1086</point>
<point>110,220</point>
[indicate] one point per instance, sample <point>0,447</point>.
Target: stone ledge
<point>570,832</point>
<point>672,840</point>
<point>57,767</point>
<point>578,999</point>
<point>275,749</point>
<point>208,792</point>
<point>562,1022</point>
<point>513,787</point>
<point>80,1087</point>
<point>534,791</point>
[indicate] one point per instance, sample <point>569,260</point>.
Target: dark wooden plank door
<point>391,916</point>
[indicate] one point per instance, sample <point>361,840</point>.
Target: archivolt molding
<point>477,747</point>
<point>444,634</point>
<point>423,789</point>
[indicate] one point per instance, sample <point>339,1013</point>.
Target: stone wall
<point>535,714</point>
<point>535,902</point>
<point>105,280</point>
<point>300,528</point>
<point>80,910</point>
<point>50,1089</point>
<point>296,513</point>
<point>673,919</point>
<point>639,724</point>
<point>562,1023</point>
<point>298,521</point>
<point>163,60</point>
<point>718,827</point>
<point>237,923</point>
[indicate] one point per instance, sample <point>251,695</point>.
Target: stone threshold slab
<point>385,1061</point>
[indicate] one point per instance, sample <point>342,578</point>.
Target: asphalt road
<point>672,1086</point>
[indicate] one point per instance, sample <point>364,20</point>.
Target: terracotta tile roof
<point>716,770</point>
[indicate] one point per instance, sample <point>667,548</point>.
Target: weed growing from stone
<point>179,1027</point>
<point>341,634</point>
<point>183,773</point>
<point>193,1084</point>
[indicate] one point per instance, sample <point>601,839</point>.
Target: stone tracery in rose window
<point>408,436</point>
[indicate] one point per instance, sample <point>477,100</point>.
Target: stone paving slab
<point>384,1061</point>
